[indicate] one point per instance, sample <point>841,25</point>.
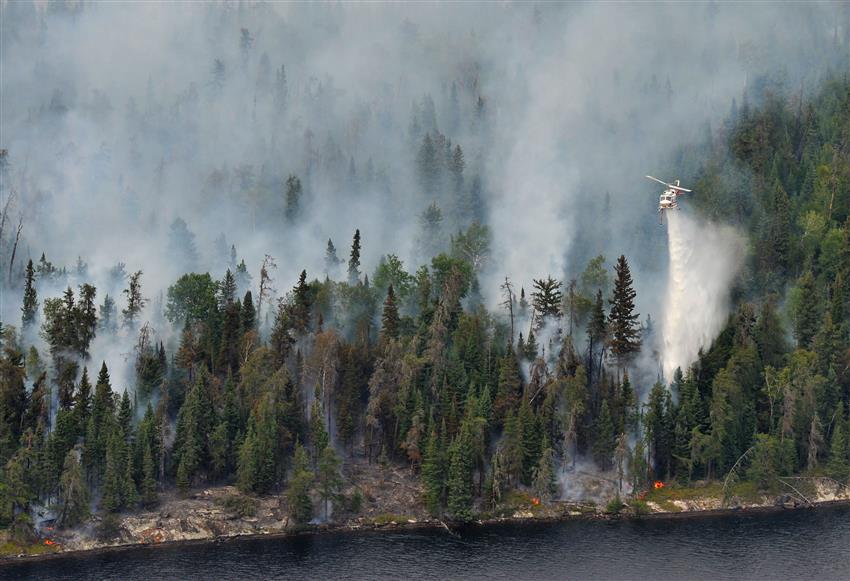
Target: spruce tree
<point>73,492</point>
<point>248,314</point>
<point>460,476</point>
<point>113,485</point>
<point>545,483</point>
<point>298,491</point>
<point>624,326</point>
<point>148,488</point>
<point>246,472</point>
<point>30,306</point>
<point>293,198</point>
<point>354,260</point>
<point>108,319</point>
<point>604,440</point>
<point>433,474</point>
<point>135,301</point>
<point>332,261</point>
<point>227,290</point>
<point>328,477</point>
<point>838,465</point>
<point>390,318</point>
<point>807,316</point>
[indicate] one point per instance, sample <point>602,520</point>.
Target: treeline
<point>275,395</point>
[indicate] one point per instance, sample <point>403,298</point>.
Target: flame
<point>49,543</point>
<point>659,484</point>
<point>535,501</point>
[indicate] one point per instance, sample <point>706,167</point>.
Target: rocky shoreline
<point>205,518</point>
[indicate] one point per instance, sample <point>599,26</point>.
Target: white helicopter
<point>667,199</point>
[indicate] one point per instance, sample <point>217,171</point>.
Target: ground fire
<point>659,484</point>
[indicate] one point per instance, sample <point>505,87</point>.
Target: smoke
<point>120,117</point>
<point>704,259</point>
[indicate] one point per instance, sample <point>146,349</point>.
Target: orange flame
<point>659,484</point>
<point>535,501</point>
<point>49,543</point>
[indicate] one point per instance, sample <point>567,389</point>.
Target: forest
<point>479,385</point>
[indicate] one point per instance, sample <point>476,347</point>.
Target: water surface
<point>803,544</point>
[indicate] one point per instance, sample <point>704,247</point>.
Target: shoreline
<point>349,528</point>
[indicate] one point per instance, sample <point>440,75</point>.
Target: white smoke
<point>704,259</point>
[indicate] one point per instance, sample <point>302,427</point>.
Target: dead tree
<point>15,247</point>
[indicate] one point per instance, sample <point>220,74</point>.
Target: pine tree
<point>546,299</point>
<point>390,318</point>
<point>625,330</point>
<point>30,306</point>
<point>354,260</point>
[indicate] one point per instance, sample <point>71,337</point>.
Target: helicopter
<point>667,199</point>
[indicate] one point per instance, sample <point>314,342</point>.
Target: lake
<point>801,544</point>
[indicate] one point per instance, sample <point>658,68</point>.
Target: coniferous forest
<point>229,355</point>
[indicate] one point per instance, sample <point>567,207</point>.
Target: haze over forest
<point>454,184</point>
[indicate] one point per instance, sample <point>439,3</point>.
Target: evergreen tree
<point>73,492</point>
<point>624,328</point>
<point>839,456</point>
<point>546,299</point>
<point>30,306</point>
<point>545,482</point>
<point>328,478</point>
<point>108,319</point>
<point>148,488</point>
<point>433,474</point>
<point>135,302</point>
<point>247,469</point>
<point>460,476</point>
<point>332,262</point>
<point>604,441</point>
<point>227,290</point>
<point>806,310</point>
<point>112,498</point>
<point>248,315</point>
<point>298,491</point>
<point>293,198</point>
<point>354,260</point>
<point>390,318</point>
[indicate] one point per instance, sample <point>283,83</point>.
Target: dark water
<point>810,544</point>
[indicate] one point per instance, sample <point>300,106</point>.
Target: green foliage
<point>192,298</point>
<point>615,505</point>
<point>298,491</point>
